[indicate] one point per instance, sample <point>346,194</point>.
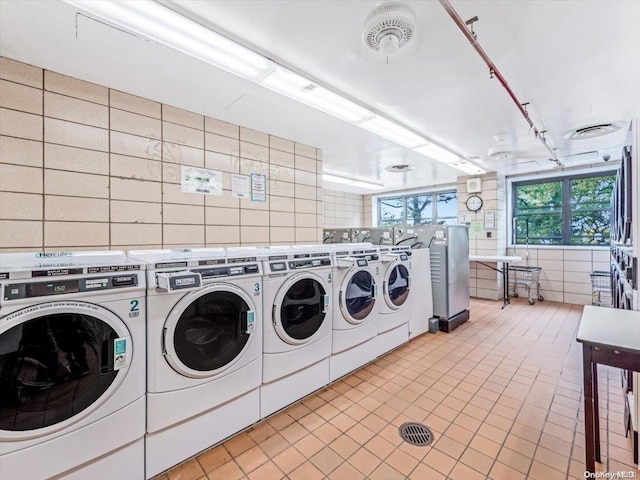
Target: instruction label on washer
<point>251,320</point>
<point>120,353</point>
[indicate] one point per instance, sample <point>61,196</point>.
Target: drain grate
<point>416,434</point>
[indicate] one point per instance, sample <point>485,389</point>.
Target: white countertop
<point>610,327</point>
<point>494,258</point>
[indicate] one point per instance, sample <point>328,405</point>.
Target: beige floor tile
<point>190,470</point>
<point>268,471</point>
<point>439,461</point>
<point>477,460</point>
<point>289,460</point>
<point>364,461</point>
<point>228,471</point>
<point>306,471</point>
<point>463,472</point>
<point>251,459</point>
<point>344,446</point>
<point>273,445</point>
<point>326,460</point>
<point>214,458</point>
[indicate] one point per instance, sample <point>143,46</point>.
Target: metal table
<point>609,336</point>
<point>505,260</point>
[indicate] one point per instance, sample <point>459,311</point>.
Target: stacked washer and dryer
<point>298,324</point>
<point>72,366</point>
<point>204,339</point>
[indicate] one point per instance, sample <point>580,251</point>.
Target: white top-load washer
<point>204,324</point>
<point>356,306</point>
<point>395,307</point>
<point>297,327</point>
<point>72,366</point>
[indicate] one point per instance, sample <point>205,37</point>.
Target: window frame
<point>434,204</point>
<point>566,205</point>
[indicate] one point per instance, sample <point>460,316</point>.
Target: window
<point>439,208</point>
<point>572,210</point>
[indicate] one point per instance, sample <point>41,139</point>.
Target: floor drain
<point>416,434</point>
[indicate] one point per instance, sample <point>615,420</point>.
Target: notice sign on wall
<point>258,187</point>
<point>201,180</point>
<point>239,186</point>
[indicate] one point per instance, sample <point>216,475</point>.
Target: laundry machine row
<point>72,366</point>
<point>231,336</point>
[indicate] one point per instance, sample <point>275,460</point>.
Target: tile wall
<point>343,209</point>
<point>483,281</point>
<point>565,275</point>
<point>83,166</point>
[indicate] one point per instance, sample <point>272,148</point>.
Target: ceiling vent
<point>399,168</point>
<point>502,153</point>
<point>593,130</point>
<point>389,27</point>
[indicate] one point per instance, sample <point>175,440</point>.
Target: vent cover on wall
<point>474,185</point>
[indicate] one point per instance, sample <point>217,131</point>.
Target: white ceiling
<point>575,61</point>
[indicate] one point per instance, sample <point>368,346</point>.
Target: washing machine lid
<point>358,294</point>
<point>300,307</point>
<point>59,361</point>
<point>179,257</point>
<point>208,330</point>
<point>396,285</point>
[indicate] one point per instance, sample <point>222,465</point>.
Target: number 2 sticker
<point>134,305</point>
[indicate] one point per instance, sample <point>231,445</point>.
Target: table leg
<point>596,412</point>
<point>589,440</point>
<point>505,266</point>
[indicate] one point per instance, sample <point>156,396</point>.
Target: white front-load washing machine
<point>297,327</point>
<point>356,306</point>
<point>72,366</point>
<point>395,305</point>
<point>204,342</point>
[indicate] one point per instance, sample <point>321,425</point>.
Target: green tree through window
<point>420,209</point>
<point>573,210</point>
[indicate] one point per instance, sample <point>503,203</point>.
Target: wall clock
<point>474,203</point>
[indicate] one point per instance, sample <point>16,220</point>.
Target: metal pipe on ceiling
<point>493,71</point>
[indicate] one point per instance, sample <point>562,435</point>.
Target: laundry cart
<point>600,284</point>
<point>529,277</point>
<point>525,275</point>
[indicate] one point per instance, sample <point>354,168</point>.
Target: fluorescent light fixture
<point>393,131</point>
<point>327,177</point>
<point>468,167</point>
<point>297,87</point>
<point>438,153</point>
<point>163,25</point>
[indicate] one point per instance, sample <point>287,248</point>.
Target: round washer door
<point>208,329</point>
<point>396,285</point>
<point>300,307</point>
<point>358,295</point>
<point>59,362</point>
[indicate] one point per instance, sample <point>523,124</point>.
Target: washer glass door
<point>300,308</point>
<point>357,295</point>
<point>208,329</point>
<point>396,285</point>
<point>56,364</point>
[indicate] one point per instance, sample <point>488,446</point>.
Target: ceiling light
<point>163,25</point>
<point>295,86</point>
<point>327,177</point>
<point>438,153</point>
<point>394,132</point>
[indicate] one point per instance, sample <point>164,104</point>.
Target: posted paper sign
<point>239,186</point>
<point>489,220</point>
<point>201,180</point>
<point>258,187</point>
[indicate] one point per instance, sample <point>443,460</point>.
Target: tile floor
<point>502,394</point>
